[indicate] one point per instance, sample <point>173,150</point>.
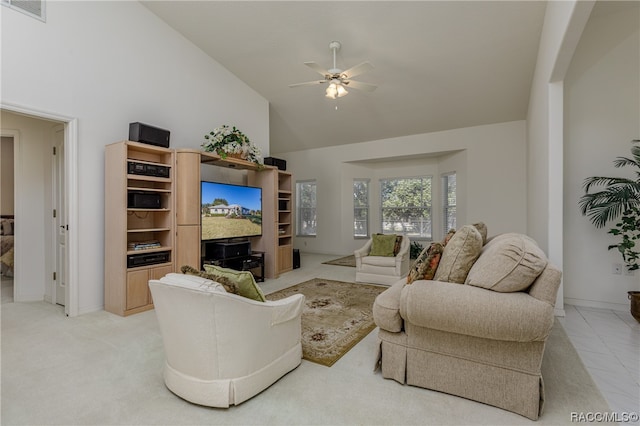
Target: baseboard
<point>595,304</point>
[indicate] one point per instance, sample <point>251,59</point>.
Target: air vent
<point>33,8</point>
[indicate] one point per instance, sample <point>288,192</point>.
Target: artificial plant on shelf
<point>225,141</point>
<point>618,200</point>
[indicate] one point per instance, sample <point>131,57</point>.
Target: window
<point>306,208</point>
<point>33,8</point>
<point>406,206</point>
<point>449,202</point>
<point>361,208</point>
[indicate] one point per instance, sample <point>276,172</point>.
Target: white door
<point>60,218</point>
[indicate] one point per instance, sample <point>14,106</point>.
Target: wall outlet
<point>616,268</point>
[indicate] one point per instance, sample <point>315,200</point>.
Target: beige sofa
<point>484,344</point>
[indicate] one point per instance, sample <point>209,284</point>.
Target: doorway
<point>45,206</point>
<point>7,218</point>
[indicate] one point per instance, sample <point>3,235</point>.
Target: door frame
<point>15,136</point>
<point>71,307</point>
<point>58,220</point>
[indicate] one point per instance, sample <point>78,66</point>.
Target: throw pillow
<point>459,255</point>
<point>510,262</point>
<point>425,266</point>
<point>448,237</point>
<point>243,280</point>
<point>397,245</point>
<point>482,228</point>
<point>382,245</point>
<point>228,285</point>
<point>193,282</point>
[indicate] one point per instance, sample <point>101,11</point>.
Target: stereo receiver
<point>144,259</point>
<point>155,170</point>
<point>143,200</point>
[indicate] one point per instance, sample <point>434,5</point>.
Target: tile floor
<point>608,343</point>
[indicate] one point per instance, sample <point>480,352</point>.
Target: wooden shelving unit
<point>276,187</point>
<point>285,222</point>
<point>126,288</point>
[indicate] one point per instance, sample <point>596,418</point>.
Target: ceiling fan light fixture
<point>341,91</point>
<point>332,91</point>
<point>335,90</point>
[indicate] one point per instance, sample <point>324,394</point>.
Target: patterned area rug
<point>336,316</point>
<point>343,261</point>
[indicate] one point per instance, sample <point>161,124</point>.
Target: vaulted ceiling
<point>439,65</point>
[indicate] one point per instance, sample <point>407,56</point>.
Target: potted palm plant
<point>618,200</point>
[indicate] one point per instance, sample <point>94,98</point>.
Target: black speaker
<point>139,132</point>
<point>280,164</point>
<point>296,258</point>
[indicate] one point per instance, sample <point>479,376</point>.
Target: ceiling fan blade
<point>360,85</point>
<point>308,83</point>
<point>357,70</point>
<point>317,68</point>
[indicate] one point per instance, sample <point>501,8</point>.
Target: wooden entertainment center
<point>135,172</point>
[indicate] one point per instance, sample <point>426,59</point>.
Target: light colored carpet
<point>336,316</point>
<point>99,369</point>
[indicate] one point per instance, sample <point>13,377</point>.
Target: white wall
<point>563,26</point>
<point>490,162</point>
<point>602,116</point>
<point>108,64</point>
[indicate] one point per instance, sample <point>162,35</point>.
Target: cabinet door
<point>137,289</point>
<point>285,258</point>
<point>156,274</point>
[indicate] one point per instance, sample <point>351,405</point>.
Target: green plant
<point>415,249</point>
<point>619,199</point>
<point>225,140</point>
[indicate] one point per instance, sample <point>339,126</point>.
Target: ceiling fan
<point>339,80</point>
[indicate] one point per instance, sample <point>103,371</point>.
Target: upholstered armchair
<point>221,348</point>
<point>385,269</point>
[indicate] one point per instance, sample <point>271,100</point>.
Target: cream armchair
<point>220,348</point>
<point>382,269</point>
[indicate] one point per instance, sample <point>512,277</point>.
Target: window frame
<point>428,207</point>
<point>367,209</point>
<point>446,207</point>
<point>299,214</point>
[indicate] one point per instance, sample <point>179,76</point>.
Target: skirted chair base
<point>231,391</point>
<point>467,367</point>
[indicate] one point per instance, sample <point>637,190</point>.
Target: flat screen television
<point>229,211</point>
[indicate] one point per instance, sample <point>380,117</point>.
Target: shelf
<point>148,230</point>
<point>232,163</point>
<point>145,189</point>
<point>148,210</point>
<point>153,250</point>
<point>155,163</point>
<point>149,178</point>
<point>147,267</point>
<point>143,147</point>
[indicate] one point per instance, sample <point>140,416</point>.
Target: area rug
<point>336,316</point>
<point>342,261</point>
